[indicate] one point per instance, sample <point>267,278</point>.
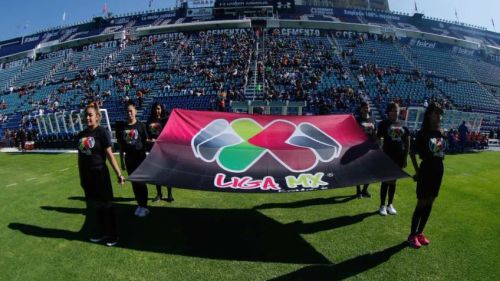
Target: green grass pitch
<point>325,235</point>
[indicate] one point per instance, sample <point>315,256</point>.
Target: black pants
<point>140,189</point>
<point>421,215</point>
<point>96,184</point>
<point>106,220</point>
<point>384,188</point>
<point>358,188</point>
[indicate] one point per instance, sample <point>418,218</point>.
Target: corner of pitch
<point>306,180</point>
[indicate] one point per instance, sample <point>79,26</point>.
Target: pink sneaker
<point>422,239</point>
<point>413,242</point>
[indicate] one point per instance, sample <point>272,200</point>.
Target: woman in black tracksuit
<point>396,145</point>
<point>132,139</point>
<point>430,145</point>
<point>94,146</point>
<point>156,123</point>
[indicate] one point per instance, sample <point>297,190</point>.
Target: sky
<point>36,15</point>
<point>24,17</point>
<point>476,12</point>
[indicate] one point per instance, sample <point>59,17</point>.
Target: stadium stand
<point>186,62</point>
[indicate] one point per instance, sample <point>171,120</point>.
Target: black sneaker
<point>157,198</point>
<point>98,239</point>
<point>110,242</point>
<point>170,199</point>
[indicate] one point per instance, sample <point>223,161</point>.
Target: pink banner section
<point>256,153</point>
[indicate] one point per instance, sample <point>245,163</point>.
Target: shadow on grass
<point>115,199</point>
<point>66,210</point>
<point>344,269</point>
<point>227,234</point>
<point>306,203</point>
<point>313,227</point>
<point>29,153</point>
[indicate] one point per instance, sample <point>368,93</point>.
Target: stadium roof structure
<point>274,12</point>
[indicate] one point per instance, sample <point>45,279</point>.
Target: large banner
<point>255,153</point>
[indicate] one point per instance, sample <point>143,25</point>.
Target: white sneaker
<point>138,211</point>
<point>382,211</point>
<point>144,212</point>
<point>391,210</point>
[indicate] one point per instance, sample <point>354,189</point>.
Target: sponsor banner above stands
<point>228,31</point>
<point>95,46</point>
<point>202,9</point>
<point>106,26</point>
<point>319,11</point>
<point>7,43</point>
<point>367,14</point>
<point>56,54</point>
<point>494,58</point>
<point>473,32</point>
<point>158,16</point>
<point>295,32</point>
<point>284,5</point>
<point>10,47</point>
<point>241,3</point>
<point>362,4</point>
<point>158,37</point>
<point>143,20</point>
<point>463,51</point>
<point>13,64</point>
<point>120,21</point>
<point>420,43</point>
<point>233,152</point>
<point>346,13</point>
<point>195,4</point>
<point>199,13</point>
<point>423,44</point>
<point>397,20</point>
<point>30,39</point>
<point>107,44</point>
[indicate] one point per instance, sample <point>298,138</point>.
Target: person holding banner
<point>94,146</point>
<point>368,125</point>
<point>396,144</point>
<point>156,122</point>
<point>430,145</point>
<point>132,140</point>
<point>21,136</point>
<point>463,131</point>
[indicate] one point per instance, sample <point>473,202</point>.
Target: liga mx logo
<point>86,144</point>
<point>437,146</point>
<point>155,129</point>
<point>131,136</point>
<point>239,145</point>
<point>396,132</point>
